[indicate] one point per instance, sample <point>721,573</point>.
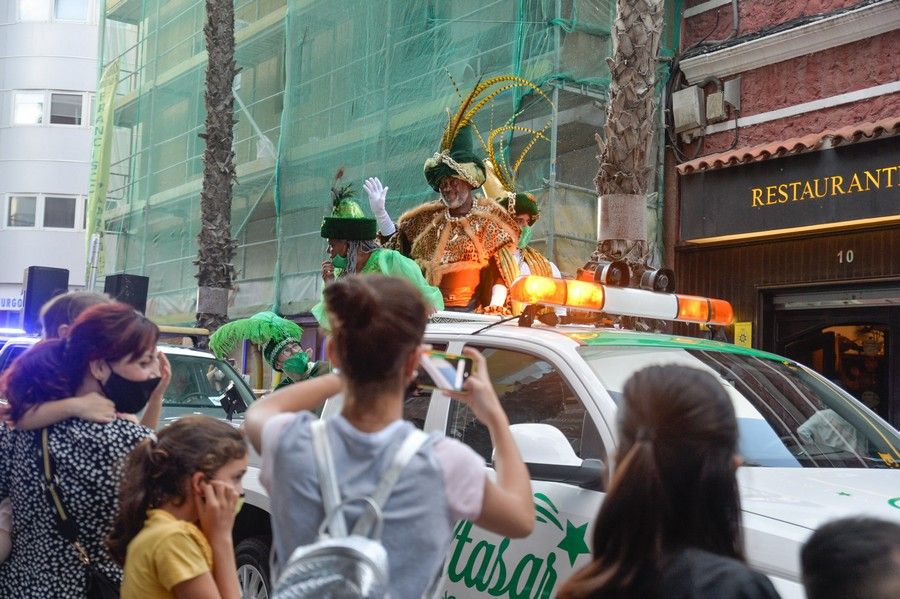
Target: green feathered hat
<point>266,329</point>
<point>525,204</point>
<point>458,160</point>
<point>347,220</point>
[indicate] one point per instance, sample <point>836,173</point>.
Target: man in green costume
<point>352,249</point>
<point>277,337</point>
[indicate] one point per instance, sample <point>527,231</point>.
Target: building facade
<point>356,84</point>
<point>48,73</point>
<point>787,179</point>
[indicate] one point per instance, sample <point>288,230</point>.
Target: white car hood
<point>809,497</point>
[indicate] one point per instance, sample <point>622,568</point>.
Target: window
<point>59,212</point>
<point>34,10</point>
<point>530,390</point>
<point>44,211</point>
<point>22,211</point>
<point>65,109</point>
<point>70,10</point>
<point>29,108</point>
<point>786,416</point>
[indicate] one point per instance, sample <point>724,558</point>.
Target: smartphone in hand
<point>447,372</point>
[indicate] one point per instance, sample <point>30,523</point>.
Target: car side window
<point>416,400</point>
<point>530,390</point>
<point>184,388</point>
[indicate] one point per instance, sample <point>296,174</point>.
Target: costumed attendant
<point>279,340</point>
<point>352,248</point>
<point>523,260</point>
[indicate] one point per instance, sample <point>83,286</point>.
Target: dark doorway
<point>856,347</point>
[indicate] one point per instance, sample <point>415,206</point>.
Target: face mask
<point>296,364</point>
<point>129,396</point>
<point>340,262</point>
<point>525,236</point>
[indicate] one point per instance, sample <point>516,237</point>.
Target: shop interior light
<point>594,297</point>
<point>615,273</point>
<point>662,280</point>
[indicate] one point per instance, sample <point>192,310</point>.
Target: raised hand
<point>377,195</point>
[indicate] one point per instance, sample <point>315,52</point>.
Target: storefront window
<point>853,356</point>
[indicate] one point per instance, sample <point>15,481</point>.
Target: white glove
<point>377,195</point>
<point>498,295</point>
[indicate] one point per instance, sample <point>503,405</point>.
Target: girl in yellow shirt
<point>177,502</point>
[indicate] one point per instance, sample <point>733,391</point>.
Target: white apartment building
<point>48,74</point>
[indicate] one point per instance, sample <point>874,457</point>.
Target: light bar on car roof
<point>595,297</point>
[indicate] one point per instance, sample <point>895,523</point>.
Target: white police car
<point>811,451</point>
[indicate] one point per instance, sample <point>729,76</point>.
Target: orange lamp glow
<point>533,289</point>
<point>538,290</point>
<point>692,308</point>
<point>583,295</point>
<point>721,312</point>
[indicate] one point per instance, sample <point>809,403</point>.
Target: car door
<point>533,390</point>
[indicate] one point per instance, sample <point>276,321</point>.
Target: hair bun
<point>352,302</point>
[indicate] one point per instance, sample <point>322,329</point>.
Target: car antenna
<point>493,324</point>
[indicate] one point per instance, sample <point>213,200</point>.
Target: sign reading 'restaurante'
<point>855,183</point>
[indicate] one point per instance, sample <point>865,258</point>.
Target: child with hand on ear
<point>178,499</point>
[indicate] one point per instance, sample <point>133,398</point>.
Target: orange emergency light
<point>586,295</point>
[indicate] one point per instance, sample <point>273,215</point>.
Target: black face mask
<point>129,396</point>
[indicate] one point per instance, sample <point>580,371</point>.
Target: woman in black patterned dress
<point>111,350</point>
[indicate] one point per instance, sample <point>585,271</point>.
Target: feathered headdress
<point>347,219</point>
<point>266,329</point>
<point>455,156</point>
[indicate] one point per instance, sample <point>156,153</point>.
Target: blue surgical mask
<point>525,236</point>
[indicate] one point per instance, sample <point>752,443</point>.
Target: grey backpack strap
<point>410,446</point>
<point>331,493</point>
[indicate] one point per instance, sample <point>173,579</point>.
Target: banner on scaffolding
<point>100,155</point>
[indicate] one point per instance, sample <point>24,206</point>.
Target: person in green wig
<point>352,249</point>
<point>279,340</point>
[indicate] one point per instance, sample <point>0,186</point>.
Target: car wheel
<point>252,557</point>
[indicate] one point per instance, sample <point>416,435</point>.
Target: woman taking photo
<point>110,350</point>
<point>377,326</point>
<point>669,525</point>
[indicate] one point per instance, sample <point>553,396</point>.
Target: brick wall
<point>839,70</point>
<point>754,15</point>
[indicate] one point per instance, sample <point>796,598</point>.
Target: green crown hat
<point>268,330</point>
<point>458,160</point>
<point>347,220</point>
<point>525,203</point>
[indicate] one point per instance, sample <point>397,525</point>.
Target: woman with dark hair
<point>670,525</point>
<point>377,325</point>
<point>58,314</point>
<point>110,350</point>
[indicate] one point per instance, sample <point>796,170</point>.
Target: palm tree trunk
<point>625,171</point>
<point>215,246</point>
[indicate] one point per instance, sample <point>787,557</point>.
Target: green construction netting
<point>361,84</point>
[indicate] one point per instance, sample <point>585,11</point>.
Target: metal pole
<point>94,259</point>
<point>554,140</point>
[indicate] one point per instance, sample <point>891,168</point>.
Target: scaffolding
<point>362,84</point>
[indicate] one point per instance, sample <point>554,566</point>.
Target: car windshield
<point>788,416</point>
<point>200,382</point>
